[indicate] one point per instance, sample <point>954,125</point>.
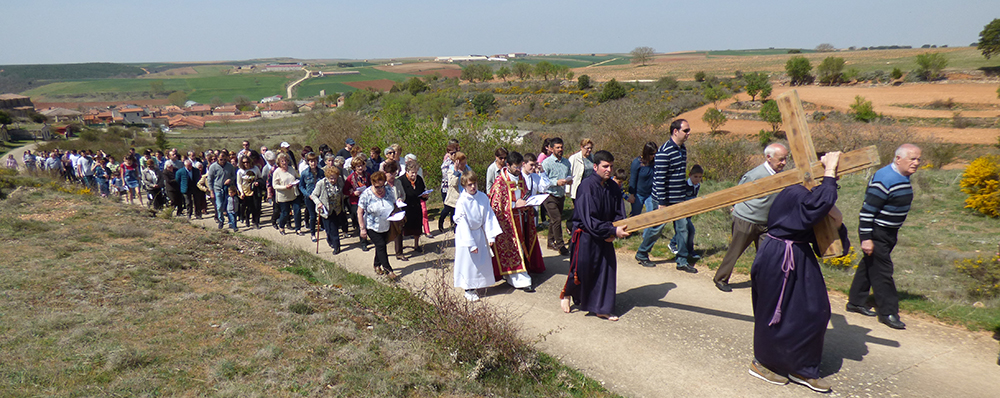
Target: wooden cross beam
<point>808,171</point>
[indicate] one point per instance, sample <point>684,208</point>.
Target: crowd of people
<point>381,198</point>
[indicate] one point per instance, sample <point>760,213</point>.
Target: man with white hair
<point>887,201</point>
<point>750,217</point>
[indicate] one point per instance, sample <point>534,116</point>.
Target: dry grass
<point>113,302</point>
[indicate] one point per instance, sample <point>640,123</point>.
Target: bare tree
<point>825,48</point>
<point>641,55</point>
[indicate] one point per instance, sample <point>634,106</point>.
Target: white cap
<point>285,145</point>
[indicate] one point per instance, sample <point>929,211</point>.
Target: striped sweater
<point>669,174</point>
<point>887,201</point>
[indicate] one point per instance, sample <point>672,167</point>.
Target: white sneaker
<point>471,295</point>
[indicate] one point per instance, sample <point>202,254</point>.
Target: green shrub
<point>583,82</point>
<point>798,69</point>
<point>699,76</point>
<point>612,90</point>
<point>669,83</point>
<point>981,181</point>
<point>715,118</point>
<point>863,110</point>
<point>896,73</point>
<point>484,103</point>
<point>770,113</point>
<point>984,275</point>
<point>930,65</point>
<point>830,71</point>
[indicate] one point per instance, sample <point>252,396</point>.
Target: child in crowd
<point>693,186</point>
<point>621,177</point>
<point>231,207</point>
<point>476,227</point>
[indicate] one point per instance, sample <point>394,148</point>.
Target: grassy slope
<point>937,232</point>
<point>102,299</point>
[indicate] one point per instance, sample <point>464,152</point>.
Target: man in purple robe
<point>593,275</point>
<point>790,303</point>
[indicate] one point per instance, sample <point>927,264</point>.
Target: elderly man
<point>887,201</point>
<point>750,217</point>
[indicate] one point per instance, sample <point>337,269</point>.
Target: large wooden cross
<point>808,171</point>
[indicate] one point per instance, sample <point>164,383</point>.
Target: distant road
<point>295,83</point>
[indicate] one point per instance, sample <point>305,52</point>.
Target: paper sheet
<point>397,216</point>
<point>536,200</point>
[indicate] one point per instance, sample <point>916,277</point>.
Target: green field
<point>200,89</point>
<point>335,84</point>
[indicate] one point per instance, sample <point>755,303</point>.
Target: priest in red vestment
<point>516,251</point>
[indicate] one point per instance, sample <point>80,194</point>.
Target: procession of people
<point>496,231</point>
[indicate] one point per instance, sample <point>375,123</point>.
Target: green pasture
<point>335,84</point>
<point>201,89</point>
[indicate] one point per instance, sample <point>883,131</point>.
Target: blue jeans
<point>640,202</point>
<point>221,200</point>
<point>683,239</point>
<point>232,220</point>
<point>310,211</point>
<point>296,209</point>
<point>652,234</point>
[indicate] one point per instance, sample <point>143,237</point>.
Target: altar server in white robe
<point>476,227</point>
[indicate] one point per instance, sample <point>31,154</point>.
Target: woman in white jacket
<point>475,229</point>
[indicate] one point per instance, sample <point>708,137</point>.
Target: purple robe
<point>592,278</point>
<point>789,338</point>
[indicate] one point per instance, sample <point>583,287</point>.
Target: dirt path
<point>679,336</point>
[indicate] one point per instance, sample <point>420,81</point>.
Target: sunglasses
<point>378,186</point>
<point>687,130</point>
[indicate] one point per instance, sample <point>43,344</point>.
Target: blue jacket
<point>186,179</point>
<point>307,181</point>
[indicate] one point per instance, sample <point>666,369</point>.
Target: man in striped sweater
<point>669,187</point>
<point>887,201</point>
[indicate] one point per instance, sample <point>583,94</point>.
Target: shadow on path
<point>846,341</point>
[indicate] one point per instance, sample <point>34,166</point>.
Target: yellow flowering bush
<point>981,181</point>
<point>984,274</point>
<point>847,261</point>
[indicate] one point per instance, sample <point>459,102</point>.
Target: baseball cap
<point>349,141</point>
<point>285,145</point>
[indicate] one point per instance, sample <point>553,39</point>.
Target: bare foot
<point>610,317</point>
<point>564,303</point>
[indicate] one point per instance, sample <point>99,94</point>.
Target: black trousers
<point>330,225</point>
<point>381,242</point>
<point>875,274</point>
<point>189,202</point>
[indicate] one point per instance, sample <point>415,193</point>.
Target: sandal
<point>392,276</point>
<point>402,257</point>
<point>379,270</point>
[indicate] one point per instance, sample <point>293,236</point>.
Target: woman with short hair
<point>329,198</point>
<point>354,186</point>
<point>375,205</point>
<point>285,180</point>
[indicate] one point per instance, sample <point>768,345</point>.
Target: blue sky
<point>62,31</point>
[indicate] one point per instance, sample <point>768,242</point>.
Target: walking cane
<point>316,228</point>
